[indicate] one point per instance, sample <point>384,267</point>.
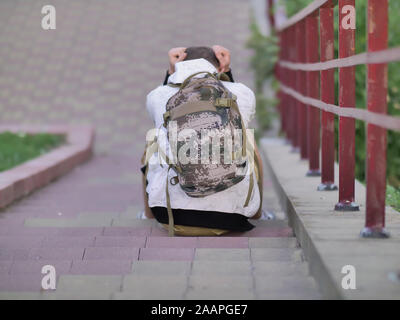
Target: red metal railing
<point>307,94</point>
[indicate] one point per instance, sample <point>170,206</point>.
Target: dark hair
<point>202,52</point>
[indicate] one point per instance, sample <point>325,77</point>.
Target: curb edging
<point>317,267</point>
<point>23,179</point>
<point>331,239</point>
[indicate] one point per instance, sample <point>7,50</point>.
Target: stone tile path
<point>97,68</point>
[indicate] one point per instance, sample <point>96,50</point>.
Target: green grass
<point>16,148</point>
<point>393,197</point>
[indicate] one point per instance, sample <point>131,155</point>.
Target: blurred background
<point>96,68</point>
<point>104,57</point>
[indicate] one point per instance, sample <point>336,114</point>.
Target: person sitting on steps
<point>199,84</point>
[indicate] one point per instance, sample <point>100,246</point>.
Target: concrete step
<point>180,286</point>
<point>108,226</point>
<point>128,263</point>
<point>86,237</point>
<point>126,247</point>
<point>156,253</point>
<point>114,219</point>
<point>177,287</point>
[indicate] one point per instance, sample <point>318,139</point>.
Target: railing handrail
<point>313,6</point>
<point>383,56</point>
<point>378,119</point>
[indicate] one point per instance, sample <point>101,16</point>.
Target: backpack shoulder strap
<point>174,85</point>
<point>186,82</point>
<point>171,229</point>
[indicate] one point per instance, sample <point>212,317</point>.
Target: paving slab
<point>267,268</point>
<point>283,284</point>
<point>223,242</point>
<point>68,223</point>
<point>273,243</point>
<point>133,222</point>
<point>4,295</point>
<point>111,241</point>
<point>175,242</point>
<point>127,231</point>
<point>81,295</point>
<point>35,266</point>
<point>164,254</point>
<point>5,266</point>
<point>303,294</point>
<point>101,215</point>
<point>272,254</point>
<point>227,268</point>
<point>116,253</point>
<point>14,254</point>
<point>78,232</point>
<point>222,254</point>
<point>89,283</point>
<point>153,287</point>
<point>162,268</point>
<point>101,267</point>
<point>21,283</point>
<point>221,282</point>
<point>20,242</point>
<point>56,254</point>
<point>68,241</point>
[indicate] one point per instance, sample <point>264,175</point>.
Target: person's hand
<point>223,56</point>
<point>175,55</point>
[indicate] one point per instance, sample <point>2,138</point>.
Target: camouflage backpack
<point>205,105</point>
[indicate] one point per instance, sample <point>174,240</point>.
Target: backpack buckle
<point>224,102</point>
<point>174,180</point>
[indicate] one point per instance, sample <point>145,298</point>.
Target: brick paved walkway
<point>97,68</point>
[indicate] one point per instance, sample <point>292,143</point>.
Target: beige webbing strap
<point>251,186</point>
<point>171,231</point>
<point>244,137</point>
<point>224,102</point>
<point>259,182</point>
<point>187,108</point>
<point>251,160</point>
<point>150,150</point>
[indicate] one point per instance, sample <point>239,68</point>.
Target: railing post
<point>327,49</point>
<point>347,98</point>
<point>313,121</point>
<point>302,88</point>
<point>289,114</point>
<point>377,136</point>
<point>285,101</point>
<point>301,121</point>
<point>293,101</point>
<point>281,95</point>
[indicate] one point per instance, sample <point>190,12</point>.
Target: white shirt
<point>230,200</point>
